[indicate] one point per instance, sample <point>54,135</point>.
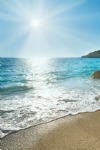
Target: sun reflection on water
<point>38,73</point>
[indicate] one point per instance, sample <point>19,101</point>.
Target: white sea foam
<point>21,111</point>
<point>46,94</point>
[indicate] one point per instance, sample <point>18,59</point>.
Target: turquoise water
<point>33,91</point>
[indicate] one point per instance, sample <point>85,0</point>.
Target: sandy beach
<point>79,132</point>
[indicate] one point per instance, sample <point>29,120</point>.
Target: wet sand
<point>0,144</point>
<point>79,132</point>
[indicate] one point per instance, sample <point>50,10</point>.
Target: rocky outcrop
<point>95,54</point>
<point>96,75</point>
<point>97,98</point>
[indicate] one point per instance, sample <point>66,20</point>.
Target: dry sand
<point>79,132</point>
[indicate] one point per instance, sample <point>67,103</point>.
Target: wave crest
<point>14,89</point>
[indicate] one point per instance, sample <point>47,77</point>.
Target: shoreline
<point>74,132</point>
<point>43,123</point>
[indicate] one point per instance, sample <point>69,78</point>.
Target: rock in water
<point>96,75</point>
<point>97,98</point>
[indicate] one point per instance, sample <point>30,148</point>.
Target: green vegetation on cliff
<point>95,54</point>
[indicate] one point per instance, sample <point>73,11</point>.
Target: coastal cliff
<point>95,54</point>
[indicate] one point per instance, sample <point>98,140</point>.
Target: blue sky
<point>49,28</point>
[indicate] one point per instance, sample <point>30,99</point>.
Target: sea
<point>38,90</point>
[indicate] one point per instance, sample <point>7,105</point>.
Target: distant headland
<point>95,54</point>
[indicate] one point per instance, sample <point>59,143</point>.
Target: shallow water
<point>40,90</point>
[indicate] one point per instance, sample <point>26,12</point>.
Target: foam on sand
<point>77,132</point>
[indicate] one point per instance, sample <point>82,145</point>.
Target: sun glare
<point>35,23</point>
<point>45,27</point>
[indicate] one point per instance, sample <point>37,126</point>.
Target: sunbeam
<point>35,26</point>
<point>64,7</point>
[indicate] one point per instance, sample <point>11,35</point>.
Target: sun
<point>35,23</point>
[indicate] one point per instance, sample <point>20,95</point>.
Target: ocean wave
<point>4,132</point>
<point>32,94</point>
<point>14,89</point>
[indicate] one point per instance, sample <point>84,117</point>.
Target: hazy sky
<point>49,28</point>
